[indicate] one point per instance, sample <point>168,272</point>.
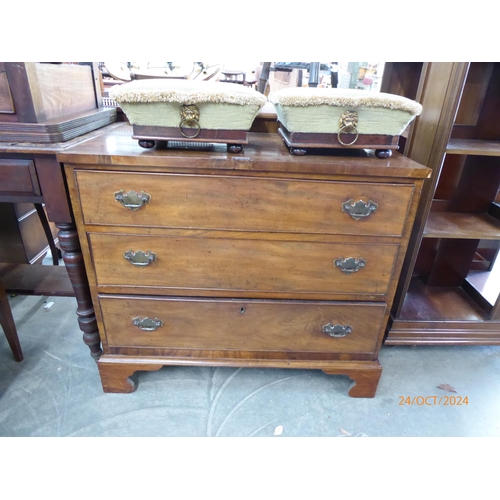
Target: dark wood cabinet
<point>450,285</point>
<point>31,175</point>
<point>50,103</point>
<point>45,107</point>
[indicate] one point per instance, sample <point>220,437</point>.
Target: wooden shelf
<point>26,279</point>
<point>439,316</point>
<point>485,283</point>
<point>462,225</point>
<point>473,147</point>
<point>456,298</point>
<point>436,303</point>
<point>484,288</point>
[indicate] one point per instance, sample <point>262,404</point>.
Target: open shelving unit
<point>449,292</point>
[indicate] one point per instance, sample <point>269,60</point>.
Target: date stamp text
<point>433,401</point>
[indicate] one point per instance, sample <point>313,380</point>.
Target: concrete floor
<point>56,391</point>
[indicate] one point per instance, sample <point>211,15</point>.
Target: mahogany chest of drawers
<point>259,259</point>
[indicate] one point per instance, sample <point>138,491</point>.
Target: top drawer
<point>18,177</point>
<point>245,203</point>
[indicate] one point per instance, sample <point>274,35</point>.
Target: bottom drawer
<point>253,325</point>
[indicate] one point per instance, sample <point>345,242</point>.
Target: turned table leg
<point>73,259</point>
<point>365,377</point>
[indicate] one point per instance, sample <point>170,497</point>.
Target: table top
<point>264,152</point>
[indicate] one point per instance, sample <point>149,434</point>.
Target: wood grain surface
<point>203,263</point>
<point>264,152</point>
<point>243,203</point>
<point>18,176</point>
<point>242,325</point>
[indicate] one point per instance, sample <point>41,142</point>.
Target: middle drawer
<point>251,265</point>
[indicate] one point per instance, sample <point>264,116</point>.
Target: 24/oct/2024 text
<point>433,401</point>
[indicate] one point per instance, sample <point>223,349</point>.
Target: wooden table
<point>30,173</point>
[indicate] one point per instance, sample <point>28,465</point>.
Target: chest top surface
<point>264,152</point>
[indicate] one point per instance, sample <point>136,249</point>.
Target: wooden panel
<point>56,130</point>
<point>23,209</point>
<point>487,285</point>
<point>478,185</point>
<point>401,78</point>
<point>18,176</point>
<point>239,324</point>
<point>488,127</point>
<point>6,103</point>
<point>61,89</point>
<point>26,279</point>
<point>453,261</point>
<point>22,238</point>
<point>243,203</point>
<point>474,93</point>
<point>443,332</point>
<point>238,264</point>
<point>11,243</point>
<point>318,140</point>
<point>482,124</point>
<point>449,178</point>
<point>175,134</point>
<point>439,92</point>
<point>473,147</point>
<point>21,93</point>
<point>462,225</point>
<point>55,197</point>
<point>426,256</point>
<point>33,231</point>
<point>424,303</point>
<point>34,238</point>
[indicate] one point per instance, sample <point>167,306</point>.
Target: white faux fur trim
<point>186,92</point>
<point>346,98</point>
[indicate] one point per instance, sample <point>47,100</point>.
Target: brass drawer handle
<point>147,324</point>
<point>337,331</point>
<point>349,265</point>
<point>359,209</point>
<point>140,258</point>
<point>132,200</point>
